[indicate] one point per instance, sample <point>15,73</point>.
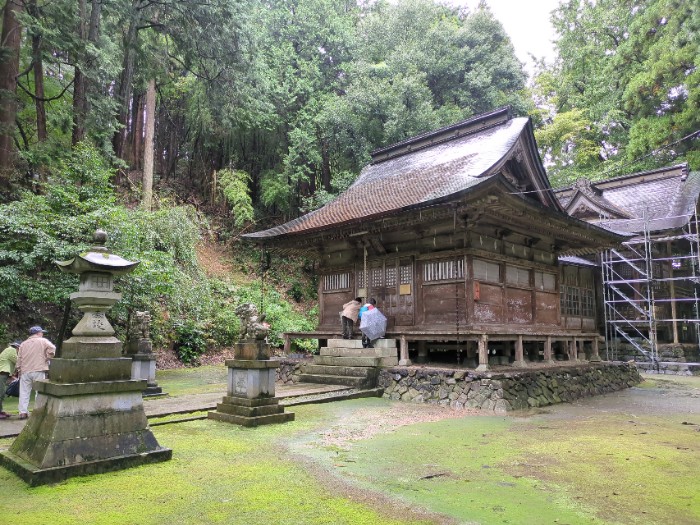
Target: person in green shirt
<point>8,360</point>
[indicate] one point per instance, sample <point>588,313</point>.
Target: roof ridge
<point>682,166</point>
<point>468,126</point>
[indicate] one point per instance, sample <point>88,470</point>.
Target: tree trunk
<point>81,84</point>
<point>124,91</point>
<point>325,165</point>
<point>79,105</point>
<point>38,62</point>
<point>10,40</point>
<point>148,146</point>
<point>137,152</point>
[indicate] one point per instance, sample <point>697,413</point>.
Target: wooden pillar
<point>581,349</point>
<point>548,350</point>
<point>595,356</point>
<point>403,352</point>
<point>483,354</point>
<point>422,352</point>
<point>573,350</point>
<point>519,354</point>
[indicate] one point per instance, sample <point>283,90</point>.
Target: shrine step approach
<point>346,362</point>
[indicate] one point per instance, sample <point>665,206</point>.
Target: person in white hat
<point>32,364</point>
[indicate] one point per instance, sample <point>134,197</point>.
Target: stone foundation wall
<point>677,369</point>
<point>502,392</point>
<point>668,353</point>
<point>288,371</point>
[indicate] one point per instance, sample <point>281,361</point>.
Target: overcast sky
<point>527,24</point>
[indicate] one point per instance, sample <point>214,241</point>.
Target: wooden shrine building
<point>651,284</point>
<point>458,235</point>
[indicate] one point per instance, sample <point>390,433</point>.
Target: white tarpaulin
<point>373,324</point>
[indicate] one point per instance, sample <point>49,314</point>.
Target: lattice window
<point>570,300</point>
<point>546,282</point>
<point>375,277</point>
<point>336,281</point>
<point>587,303</point>
<point>624,271</point>
<point>390,276</point>
<point>443,270</point>
<point>487,271</point>
<point>361,279</point>
<point>405,274</point>
<point>517,276</point>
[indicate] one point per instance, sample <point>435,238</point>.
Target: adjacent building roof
<point>664,199</point>
<point>429,169</point>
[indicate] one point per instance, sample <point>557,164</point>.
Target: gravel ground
<point>366,423</point>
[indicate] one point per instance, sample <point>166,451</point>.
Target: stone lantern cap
<point>98,259</point>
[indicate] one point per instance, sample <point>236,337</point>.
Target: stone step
<point>346,361</point>
<point>329,397</point>
<point>358,352</point>
<point>252,421</point>
<point>357,382</point>
<point>357,343</point>
<point>331,370</point>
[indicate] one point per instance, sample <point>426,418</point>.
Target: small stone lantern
<point>89,416</point>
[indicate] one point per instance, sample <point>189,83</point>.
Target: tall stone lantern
<point>89,416</point>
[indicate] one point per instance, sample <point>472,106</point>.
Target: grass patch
<point>219,474</point>
<point>196,380</point>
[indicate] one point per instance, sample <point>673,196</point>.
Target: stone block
<point>251,382</point>
<point>252,421</point>
<point>91,347</point>
<point>64,370</point>
<point>258,350</point>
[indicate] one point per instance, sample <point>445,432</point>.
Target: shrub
<point>190,342</point>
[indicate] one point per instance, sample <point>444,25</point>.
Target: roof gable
<point>587,203</point>
<point>661,199</point>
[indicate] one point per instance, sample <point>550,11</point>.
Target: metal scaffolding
<point>651,289</point>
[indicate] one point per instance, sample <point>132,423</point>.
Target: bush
<point>190,342</point>
<point>57,224</point>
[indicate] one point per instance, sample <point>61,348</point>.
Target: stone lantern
<point>89,416</point>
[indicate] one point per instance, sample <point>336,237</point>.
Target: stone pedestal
<point>250,399</point>
<point>143,367</point>
<point>89,416</point>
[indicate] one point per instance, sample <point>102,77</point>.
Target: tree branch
<point>34,97</point>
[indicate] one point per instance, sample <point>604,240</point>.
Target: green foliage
<point>235,187</point>
<point>190,342</point>
<point>188,309</point>
<point>626,89</point>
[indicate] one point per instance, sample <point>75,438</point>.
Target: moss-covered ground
<point>627,458</point>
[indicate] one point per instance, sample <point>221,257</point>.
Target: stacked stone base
<point>250,412</point>
<point>81,429</point>
<point>250,399</point>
